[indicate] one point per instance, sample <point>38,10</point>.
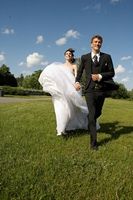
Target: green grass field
<point>35,164</point>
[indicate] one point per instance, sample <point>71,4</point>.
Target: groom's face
<point>96,44</point>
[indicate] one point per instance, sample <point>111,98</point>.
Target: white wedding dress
<point>70,108</point>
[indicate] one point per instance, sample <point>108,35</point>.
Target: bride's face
<point>68,56</point>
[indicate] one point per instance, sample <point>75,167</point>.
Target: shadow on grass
<point>114,129</point>
<point>75,133</point>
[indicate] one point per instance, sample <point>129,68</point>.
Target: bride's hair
<point>72,52</point>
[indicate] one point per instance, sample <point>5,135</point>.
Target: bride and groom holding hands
<point>62,81</point>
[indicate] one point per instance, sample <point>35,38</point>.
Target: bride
<point>70,108</point>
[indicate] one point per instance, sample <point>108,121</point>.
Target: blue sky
<point>34,33</point>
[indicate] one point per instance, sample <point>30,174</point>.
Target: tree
<point>31,81</point>
<point>20,80</point>
<point>121,93</point>
<point>131,94</point>
<point>6,78</point>
<point>4,69</point>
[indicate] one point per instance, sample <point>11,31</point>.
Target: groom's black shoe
<point>94,145</point>
<point>95,148</point>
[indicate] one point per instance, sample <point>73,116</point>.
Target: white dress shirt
<point>98,58</point>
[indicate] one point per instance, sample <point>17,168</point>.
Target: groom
<point>99,71</point>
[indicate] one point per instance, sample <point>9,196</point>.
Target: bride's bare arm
<point>75,70</point>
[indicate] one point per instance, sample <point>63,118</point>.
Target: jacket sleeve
<point>80,70</point>
<point>108,71</point>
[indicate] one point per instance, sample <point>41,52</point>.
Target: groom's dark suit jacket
<point>105,68</point>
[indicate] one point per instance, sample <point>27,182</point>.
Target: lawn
<point>35,164</point>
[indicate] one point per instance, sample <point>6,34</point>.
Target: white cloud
<point>34,59</point>
<point>2,57</point>
<point>72,33</point>
<point>125,80</point>
<point>44,63</point>
<point>8,31</point>
<point>94,6</point>
<point>21,64</point>
<point>119,69</point>
<point>39,39</point>
<point>126,58</point>
<point>69,34</point>
<point>61,41</point>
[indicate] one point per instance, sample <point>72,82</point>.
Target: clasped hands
<point>77,86</point>
<point>95,77</point>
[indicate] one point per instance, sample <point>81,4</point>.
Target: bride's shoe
<point>61,133</point>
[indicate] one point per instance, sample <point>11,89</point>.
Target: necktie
<point>95,60</point>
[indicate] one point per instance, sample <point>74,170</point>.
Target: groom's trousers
<point>95,101</point>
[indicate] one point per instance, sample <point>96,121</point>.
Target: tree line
<point>31,82</point>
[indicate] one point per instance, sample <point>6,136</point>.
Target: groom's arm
<point>109,68</point>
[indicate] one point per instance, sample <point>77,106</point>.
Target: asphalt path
<point>19,99</point>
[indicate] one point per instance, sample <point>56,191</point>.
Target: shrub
<point>21,91</point>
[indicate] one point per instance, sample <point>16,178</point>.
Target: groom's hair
<point>97,36</point>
